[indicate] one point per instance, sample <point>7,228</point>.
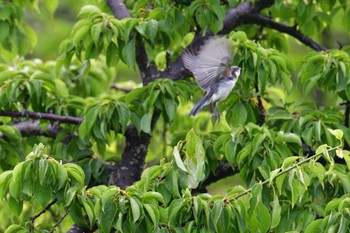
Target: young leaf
<point>135,208</point>
<point>276,212</point>
<point>178,160</point>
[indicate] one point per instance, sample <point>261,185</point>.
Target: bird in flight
<point>213,71</point>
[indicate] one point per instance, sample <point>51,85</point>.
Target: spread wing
<point>212,61</point>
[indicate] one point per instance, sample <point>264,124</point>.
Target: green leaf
<point>15,229</point>
<point>146,121</point>
<point>235,190</point>
<point>43,169</point>
<point>89,210</point>
<point>216,213</point>
<point>295,191</point>
<point>134,94</point>
<point>178,159</point>
<point>31,35</point>
<point>288,161</point>
<point>17,180</point>
<point>87,10</point>
<point>239,115</point>
<point>80,35</point>
<point>10,132</point>
<point>239,35</point>
<point>161,61</point>
<point>124,115</point>
<point>112,57</point>
<point>273,174</point>
<point>153,213</point>
<point>151,29</point>
<point>276,212</point>
<point>95,33</point>
<point>288,137</point>
<point>15,206</point>
<point>322,150</point>
<point>108,217</point>
<point>314,226</point>
<point>5,178</point>
<point>42,194</point>
<point>263,216</point>
<point>337,133</point>
<point>51,5</point>
<point>346,155</point>
<point>62,175</point>
<point>76,172</point>
<point>5,30</point>
<point>128,53</point>
<point>135,209</point>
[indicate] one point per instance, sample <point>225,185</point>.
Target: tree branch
<point>118,9</point>
<point>59,221</point>
<point>292,31</point>
<point>78,229</point>
<point>32,219</point>
<point>44,116</point>
<point>233,18</point>
<point>130,167</point>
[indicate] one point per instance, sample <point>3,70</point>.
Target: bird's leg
<point>216,115</point>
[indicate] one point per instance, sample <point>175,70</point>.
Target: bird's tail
<point>199,105</point>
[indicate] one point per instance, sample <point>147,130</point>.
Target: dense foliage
<point>74,137</point>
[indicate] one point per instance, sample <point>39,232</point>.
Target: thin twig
<point>290,30</point>
<point>32,219</point>
<point>60,220</point>
<point>286,170</point>
<point>44,116</point>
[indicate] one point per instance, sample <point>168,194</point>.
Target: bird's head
<point>235,72</point>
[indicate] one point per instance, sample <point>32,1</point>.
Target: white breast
<point>225,89</point>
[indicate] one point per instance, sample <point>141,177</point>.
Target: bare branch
<point>32,219</point>
<point>59,221</point>
<point>290,30</point>
<point>44,116</point>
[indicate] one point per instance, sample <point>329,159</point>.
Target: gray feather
<point>211,61</point>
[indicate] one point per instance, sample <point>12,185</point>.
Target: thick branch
<point>292,31</point>
<point>118,9</point>
<point>130,167</point>
<point>44,116</point>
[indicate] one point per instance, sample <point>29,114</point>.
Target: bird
<point>212,69</point>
